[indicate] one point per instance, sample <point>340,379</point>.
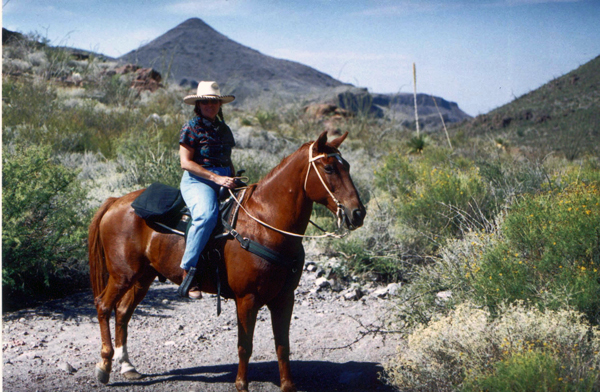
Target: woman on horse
<point>205,144</point>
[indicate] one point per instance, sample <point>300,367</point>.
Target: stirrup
<point>184,287</point>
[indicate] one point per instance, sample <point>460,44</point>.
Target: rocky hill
<point>562,116</point>
<point>194,51</point>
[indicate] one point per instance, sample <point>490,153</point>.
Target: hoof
<point>241,386</point>
<point>132,375</point>
<point>288,387</point>
<point>101,375</point>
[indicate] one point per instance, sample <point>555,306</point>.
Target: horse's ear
<point>336,142</point>
<point>321,141</point>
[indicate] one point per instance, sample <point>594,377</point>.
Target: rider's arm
<point>186,156</point>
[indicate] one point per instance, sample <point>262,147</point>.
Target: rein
<point>339,213</point>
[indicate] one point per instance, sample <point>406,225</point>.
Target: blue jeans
<point>201,197</point>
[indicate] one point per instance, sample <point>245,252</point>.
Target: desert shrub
<point>373,251</point>
<point>26,102</point>
<point>550,253</point>
<point>34,114</point>
<point>470,350</point>
<point>117,90</point>
<point>151,155</point>
<point>267,119</point>
<point>511,176</point>
<point>543,251</point>
<point>437,195</point>
<point>43,227</point>
<point>440,284</point>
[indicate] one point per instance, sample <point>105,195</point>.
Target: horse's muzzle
<point>354,218</point>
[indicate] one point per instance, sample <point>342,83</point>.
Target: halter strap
<point>311,163</point>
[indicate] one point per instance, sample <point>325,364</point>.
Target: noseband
<point>311,163</point>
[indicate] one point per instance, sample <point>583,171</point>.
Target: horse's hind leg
<point>105,303</point>
<point>281,315</point>
<point>123,313</point>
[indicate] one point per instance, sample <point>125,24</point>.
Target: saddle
<point>163,205</point>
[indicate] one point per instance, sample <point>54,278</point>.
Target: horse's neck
<point>282,194</point>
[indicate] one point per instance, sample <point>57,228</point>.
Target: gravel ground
<point>181,345</point>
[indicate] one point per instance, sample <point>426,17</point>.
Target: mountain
<point>562,116</point>
<point>194,51</point>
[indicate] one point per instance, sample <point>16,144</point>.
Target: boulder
<point>146,79</point>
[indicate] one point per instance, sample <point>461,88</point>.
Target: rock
<point>353,294</point>
<point>154,117</point>
<point>127,68</point>
<point>67,367</point>
<point>336,285</point>
<point>147,79</point>
<point>444,295</point>
<point>318,111</point>
<point>393,288</point>
<point>380,293</point>
<point>322,283</point>
<point>310,266</point>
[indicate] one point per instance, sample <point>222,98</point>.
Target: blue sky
<point>480,54</point>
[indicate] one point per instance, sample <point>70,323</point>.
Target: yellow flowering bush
<point>550,253</point>
<point>470,350</point>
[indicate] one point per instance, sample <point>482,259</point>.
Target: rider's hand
<point>227,182</point>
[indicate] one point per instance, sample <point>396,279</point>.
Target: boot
<point>189,286</point>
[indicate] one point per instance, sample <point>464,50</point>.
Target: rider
<point>205,144</point>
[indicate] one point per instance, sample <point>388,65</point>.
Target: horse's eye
<point>329,169</point>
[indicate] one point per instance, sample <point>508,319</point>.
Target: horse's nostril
<point>358,216</point>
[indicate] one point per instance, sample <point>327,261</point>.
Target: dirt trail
<point>181,345</point>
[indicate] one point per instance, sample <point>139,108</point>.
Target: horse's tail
<point>98,271</point>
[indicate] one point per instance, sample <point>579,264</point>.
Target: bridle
<point>340,214</point>
<point>311,163</point>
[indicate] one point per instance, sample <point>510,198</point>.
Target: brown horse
<point>127,253</point>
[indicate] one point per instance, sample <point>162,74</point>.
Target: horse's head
<point>328,182</point>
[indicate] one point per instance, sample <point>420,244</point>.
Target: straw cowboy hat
<point>208,90</point>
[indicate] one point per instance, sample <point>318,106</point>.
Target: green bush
<point>530,371</point>
<point>43,227</point>
<point>437,196</point>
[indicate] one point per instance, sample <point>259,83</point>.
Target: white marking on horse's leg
<point>122,357</point>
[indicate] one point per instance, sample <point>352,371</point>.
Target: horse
<point>127,253</point>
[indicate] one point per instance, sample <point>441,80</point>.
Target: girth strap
<point>229,220</point>
<point>262,251</point>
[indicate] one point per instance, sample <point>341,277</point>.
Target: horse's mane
<point>281,164</point>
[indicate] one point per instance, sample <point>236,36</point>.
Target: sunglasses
<point>208,101</point>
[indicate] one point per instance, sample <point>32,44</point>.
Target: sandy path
<point>181,345</point>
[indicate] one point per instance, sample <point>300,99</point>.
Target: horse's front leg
<point>281,315</point>
<point>247,309</point>
<point>124,311</point>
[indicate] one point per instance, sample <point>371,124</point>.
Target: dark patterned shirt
<point>212,142</point>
